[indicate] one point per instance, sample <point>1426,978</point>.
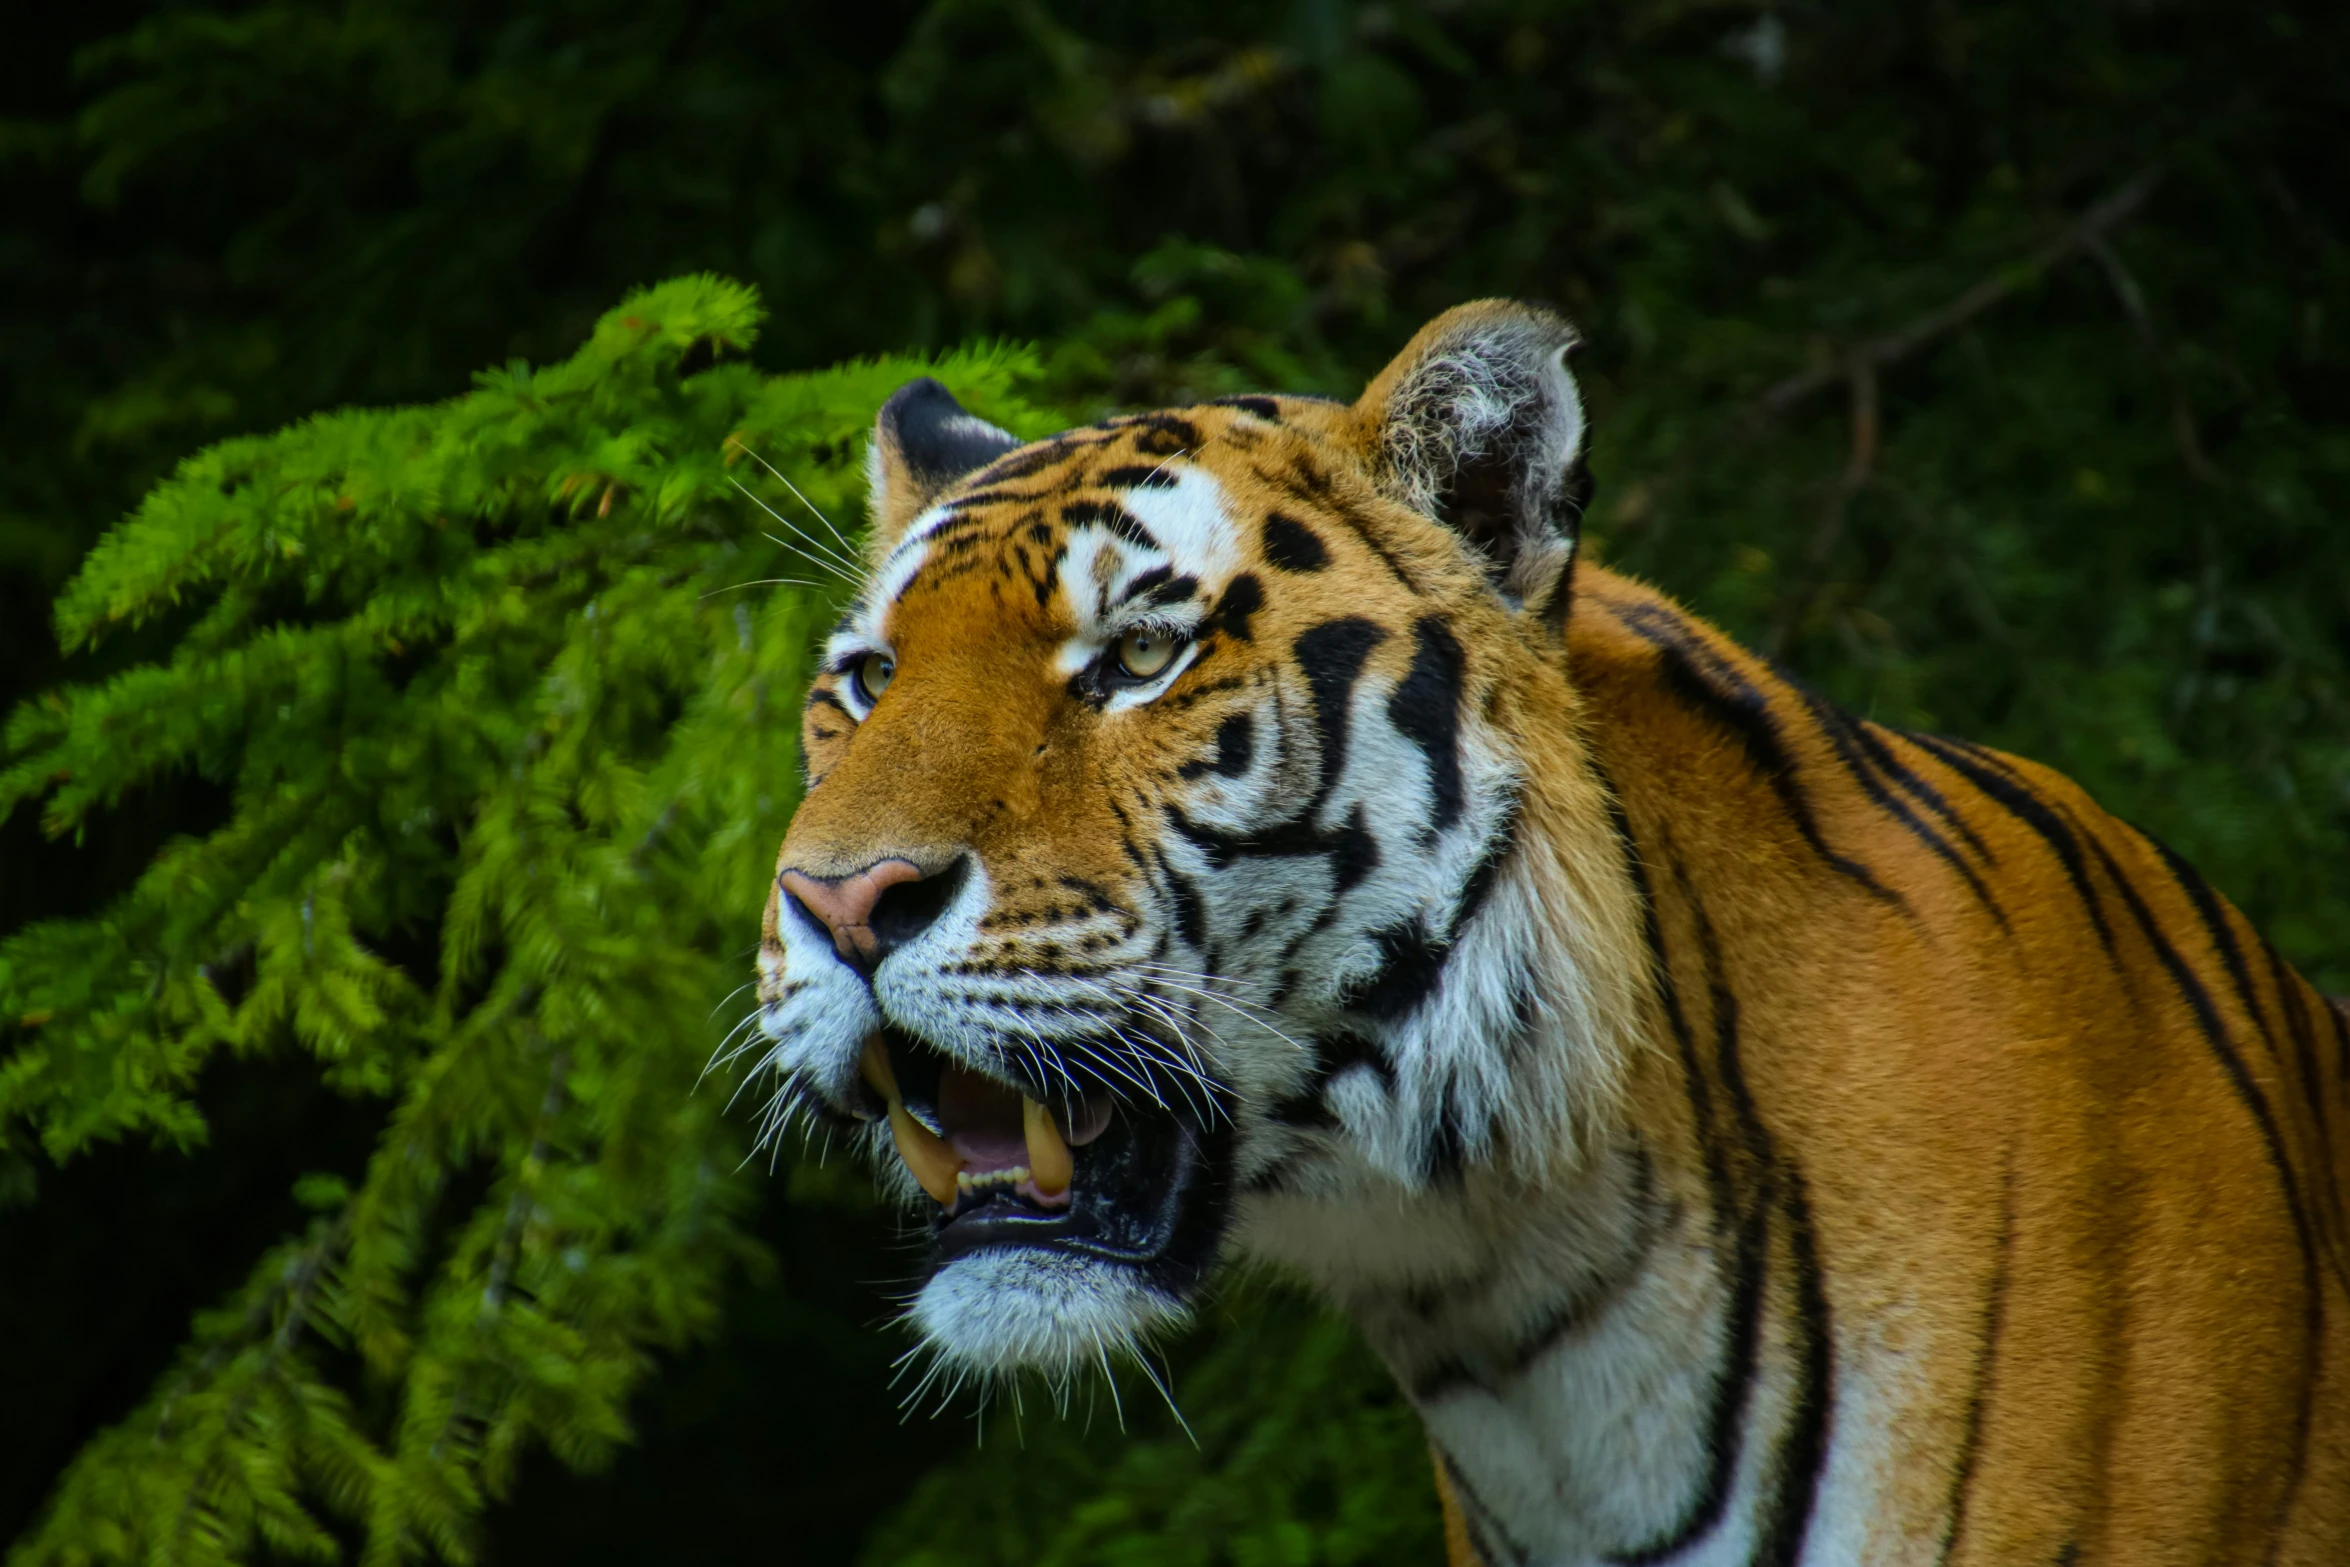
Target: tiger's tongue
<point>990,1128</point>
<point>981,1120</point>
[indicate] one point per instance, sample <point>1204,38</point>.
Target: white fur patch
<point>1190,521</point>
<point>1009,1308</point>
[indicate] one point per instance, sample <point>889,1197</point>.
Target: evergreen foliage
<point>508,720</point>
<point>1984,363</point>
<point>1292,1446</point>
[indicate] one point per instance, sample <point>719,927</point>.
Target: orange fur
<point>2094,1191</point>
<point>2020,1113</point>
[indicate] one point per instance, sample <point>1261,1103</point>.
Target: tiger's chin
<point>1016,1308</point>
<point>1060,1233</point>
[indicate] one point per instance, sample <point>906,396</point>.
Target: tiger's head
<point>1188,858</point>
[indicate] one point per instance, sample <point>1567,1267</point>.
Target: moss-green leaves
<point>501,694</point>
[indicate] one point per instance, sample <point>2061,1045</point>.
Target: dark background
<point>1868,389</point>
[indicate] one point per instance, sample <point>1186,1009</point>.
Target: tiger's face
<point>1159,877</point>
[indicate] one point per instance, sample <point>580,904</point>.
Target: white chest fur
<point>1602,1379</point>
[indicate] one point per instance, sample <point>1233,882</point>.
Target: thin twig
<point>1859,465</point>
<point>1877,352</point>
<point>2133,302</point>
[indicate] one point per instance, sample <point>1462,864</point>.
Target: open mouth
<point>1085,1173</point>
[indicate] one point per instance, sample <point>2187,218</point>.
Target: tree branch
<point>2133,302</point>
<point>1860,463</point>
<point>1876,352</point>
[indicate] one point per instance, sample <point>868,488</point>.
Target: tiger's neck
<point>1582,1330</point>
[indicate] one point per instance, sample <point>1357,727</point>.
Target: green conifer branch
<point>503,681</point>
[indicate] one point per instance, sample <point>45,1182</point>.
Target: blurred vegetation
<point>1985,363</point>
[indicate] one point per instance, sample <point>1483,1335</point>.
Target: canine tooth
<point>926,1153</point>
<point>1048,1153</point>
<point>934,1164</point>
<point>875,1068</point>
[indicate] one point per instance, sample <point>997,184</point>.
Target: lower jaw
<point>1015,1286</point>
<point>1003,1309</point>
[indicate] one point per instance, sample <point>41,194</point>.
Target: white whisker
<point>785,481</point>
<point>1142,1359</point>
<point>811,546</point>
<point>1102,1351</point>
<point>767,582</point>
<point>1229,1005</point>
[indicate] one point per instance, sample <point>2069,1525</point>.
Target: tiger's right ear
<point>923,441</point>
<point>1477,425</point>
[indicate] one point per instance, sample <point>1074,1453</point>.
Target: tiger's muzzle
<point>1063,1113</point>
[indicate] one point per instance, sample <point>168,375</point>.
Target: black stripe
<point>1156,577</point>
<point>1479,884</point>
<point>1802,1447</point>
<point>1157,434</point>
<point>1034,459</point>
<point>820,697</point>
<point>1867,760</point>
<point>2207,1018</point>
<point>1291,545</point>
<point>1351,847</point>
<point>1126,843</point>
<point>1045,581</point>
<point>1924,793</point>
<point>1110,515</point>
<point>1236,747</point>
<point>1411,961</point>
<point>1494,1546</point>
<point>2216,928</point>
<point>1706,683</point>
<point>1331,656</point>
<point>1335,1054</point>
<point>1447,1152</point>
<point>2198,998</point>
<point>1385,556</point>
<point>972,500</point>
<point>2012,794</point>
<point>2300,1027</point>
<point>1802,1453</point>
<point>1191,920</point>
<point>1412,957</point>
<point>1263,407</point>
<point>1426,710</point>
<point>1742,1237</point>
<point>1243,597</point>
<point>2221,932</point>
<point>1970,1446</point>
<point>1354,854</point>
<point>1138,477</point>
<point>1571,1314</point>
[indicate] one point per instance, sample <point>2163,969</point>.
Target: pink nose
<point>845,903</point>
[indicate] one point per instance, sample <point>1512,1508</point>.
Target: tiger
<point>1247,834</point>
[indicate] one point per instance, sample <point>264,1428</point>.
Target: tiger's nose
<point>873,912</point>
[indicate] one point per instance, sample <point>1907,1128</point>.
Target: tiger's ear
<point>923,441</point>
<point>1477,424</point>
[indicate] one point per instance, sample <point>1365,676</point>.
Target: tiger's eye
<point>1142,654</point>
<point>873,675</point>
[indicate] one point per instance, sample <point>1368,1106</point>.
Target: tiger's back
<point>2039,1130</point>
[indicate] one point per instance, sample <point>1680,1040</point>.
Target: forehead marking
<point>1188,519</point>
<point>1171,523</point>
